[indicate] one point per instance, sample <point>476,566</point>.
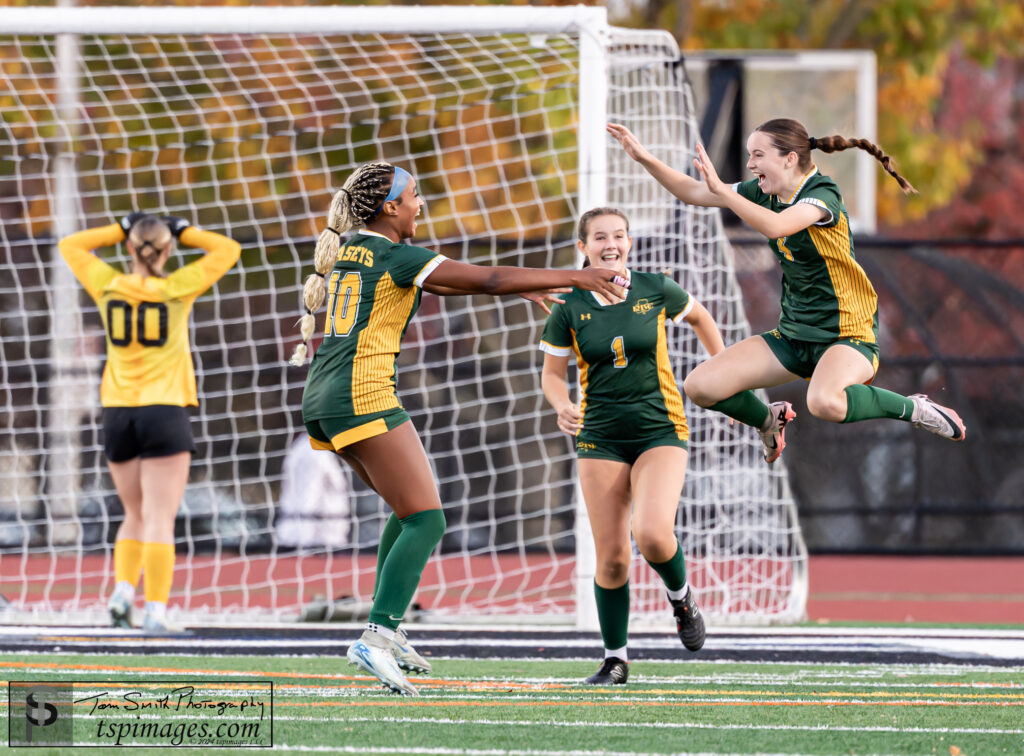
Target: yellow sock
<point>127,561</point>
<point>158,565</point>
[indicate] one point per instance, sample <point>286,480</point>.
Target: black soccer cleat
<point>613,671</point>
<point>689,622</point>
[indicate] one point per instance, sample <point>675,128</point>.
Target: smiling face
<point>775,173</point>
<point>409,209</point>
<point>608,242</point>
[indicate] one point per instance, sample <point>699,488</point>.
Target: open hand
<point>550,295</point>
<point>629,142</point>
<point>707,170</point>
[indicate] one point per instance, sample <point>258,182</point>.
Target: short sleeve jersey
<point>826,295</point>
<point>622,355</point>
<point>373,291</point>
<point>149,358</point>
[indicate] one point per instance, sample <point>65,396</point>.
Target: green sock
<point>867,402</point>
<point>613,614</point>
<point>401,572</point>
<point>673,572</point>
<point>392,529</point>
<point>745,407</point>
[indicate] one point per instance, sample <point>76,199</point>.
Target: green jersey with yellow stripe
<point>373,291</point>
<point>628,385</point>
<point>826,295</point>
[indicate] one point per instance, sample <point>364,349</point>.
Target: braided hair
<point>789,135</point>
<point>149,236</point>
<point>357,203</point>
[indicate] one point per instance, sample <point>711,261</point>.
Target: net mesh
<point>249,136</point>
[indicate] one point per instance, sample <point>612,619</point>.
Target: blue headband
<point>398,184</point>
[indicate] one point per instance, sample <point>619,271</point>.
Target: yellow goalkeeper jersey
<point>149,359</point>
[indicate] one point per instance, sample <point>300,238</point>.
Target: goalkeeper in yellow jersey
<point>148,382</point>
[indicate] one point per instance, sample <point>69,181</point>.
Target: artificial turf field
<point>539,706</point>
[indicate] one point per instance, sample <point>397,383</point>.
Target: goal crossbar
<point>361,19</point>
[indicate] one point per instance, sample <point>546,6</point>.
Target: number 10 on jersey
<point>342,303</point>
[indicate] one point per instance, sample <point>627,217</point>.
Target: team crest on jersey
<point>642,307</point>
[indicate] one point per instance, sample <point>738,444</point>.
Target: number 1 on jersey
<point>619,350</point>
<point>342,303</point>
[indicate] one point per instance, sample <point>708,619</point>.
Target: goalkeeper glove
<point>130,220</point>
<point>177,225</point>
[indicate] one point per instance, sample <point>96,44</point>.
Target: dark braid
<point>838,143</point>
<point>355,204</point>
<point>789,135</point>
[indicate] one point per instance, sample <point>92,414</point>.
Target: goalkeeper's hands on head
<point>130,220</point>
<point>177,225</point>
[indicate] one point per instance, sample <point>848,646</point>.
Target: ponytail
<point>789,135</point>
<point>150,236</point>
<point>837,143</point>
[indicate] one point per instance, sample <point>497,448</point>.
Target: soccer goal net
<point>245,120</point>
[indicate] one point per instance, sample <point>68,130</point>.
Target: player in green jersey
<point>629,426</point>
<point>372,284</point>
<point>828,329</point>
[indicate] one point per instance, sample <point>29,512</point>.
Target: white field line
<point>832,676</point>
<point>687,725</point>
<point>509,752</point>
<point>590,698</point>
<point>681,701</point>
<point>469,722</point>
<point>549,636</point>
<point>872,669</point>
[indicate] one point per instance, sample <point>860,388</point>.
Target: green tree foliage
<point>915,41</point>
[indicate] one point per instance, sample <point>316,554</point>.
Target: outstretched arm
<point>686,188</point>
<point>481,279</point>
<point>541,298</point>
<point>556,391</point>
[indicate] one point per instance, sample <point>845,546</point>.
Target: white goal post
<point>245,120</point>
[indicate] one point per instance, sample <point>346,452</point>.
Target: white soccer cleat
<point>375,654</point>
<point>942,421</point>
<point>159,626</point>
<point>406,655</point>
<point>774,439</point>
<point>120,608</point>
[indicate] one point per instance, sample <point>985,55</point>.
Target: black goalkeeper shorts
<point>157,430</point>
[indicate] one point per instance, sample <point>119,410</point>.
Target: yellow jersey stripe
<point>373,368</point>
<point>667,383</point>
<point>584,371</point>
<point>857,299</point>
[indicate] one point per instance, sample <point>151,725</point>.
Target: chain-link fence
<point>951,326</point>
